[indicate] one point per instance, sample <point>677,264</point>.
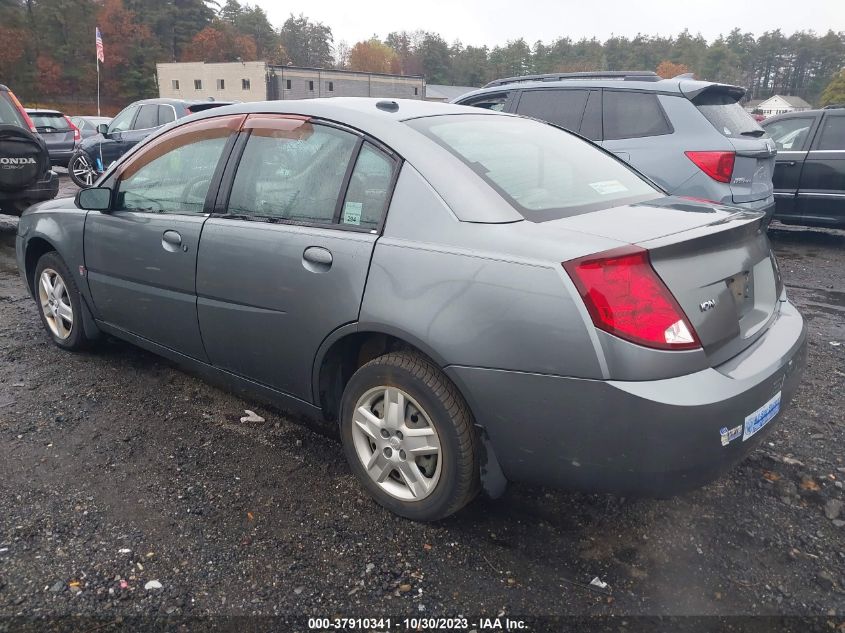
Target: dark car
<point>88,124</point>
<point>690,137</point>
<point>131,125</point>
<point>809,175</point>
<point>25,174</point>
<point>470,296</point>
<point>58,132</point>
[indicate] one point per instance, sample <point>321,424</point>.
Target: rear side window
<point>630,114</point>
<point>165,114</point>
<point>369,189</point>
<point>293,173</point>
<point>543,172</point>
<point>560,107</point>
<point>9,114</point>
<point>495,101</point>
<point>726,115</point>
<point>832,133</point>
<point>49,122</point>
<point>147,117</point>
<point>790,134</point>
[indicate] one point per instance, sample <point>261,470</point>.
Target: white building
<point>778,104</point>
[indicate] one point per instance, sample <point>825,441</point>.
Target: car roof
<point>682,85</point>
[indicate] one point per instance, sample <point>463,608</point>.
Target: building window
<point>331,86</point>
<point>197,84</point>
<point>287,84</point>
<point>311,86</point>
<point>221,84</point>
<point>175,84</point>
<point>245,84</point>
<point>416,91</point>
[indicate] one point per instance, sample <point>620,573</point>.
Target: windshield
<point>544,172</point>
<point>726,115</point>
<point>49,122</point>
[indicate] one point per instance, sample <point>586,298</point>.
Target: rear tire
<point>59,303</point>
<point>408,436</point>
<point>81,170</point>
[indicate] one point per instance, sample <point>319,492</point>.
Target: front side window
<point>147,117</point>
<point>833,133</point>
<point>292,170</point>
<point>369,189</point>
<point>543,172</point>
<point>123,120</point>
<point>174,173</point>
<point>629,114</point>
<point>560,107</point>
<point>790,134</point>
<point>494,101</point>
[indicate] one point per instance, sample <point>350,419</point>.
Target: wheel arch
<point>36,247</point>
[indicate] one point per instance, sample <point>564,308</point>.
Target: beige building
<point>259,81</point>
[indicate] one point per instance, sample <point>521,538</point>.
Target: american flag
<point>101,56</point>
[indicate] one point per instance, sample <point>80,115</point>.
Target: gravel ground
<point>119,473</point>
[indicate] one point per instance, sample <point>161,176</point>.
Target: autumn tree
<point>220,42</point>
<point>667,69</point>
<point>373,56</point>
<point>130,50</point>
<point>835,91</point>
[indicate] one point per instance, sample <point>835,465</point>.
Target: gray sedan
<point>473,297</point>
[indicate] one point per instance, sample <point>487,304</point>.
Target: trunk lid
<point>716,261</point>
<point>755,151</point>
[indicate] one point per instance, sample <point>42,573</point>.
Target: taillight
<point>626,297</point>
<point>76,133</point>
<point>23,112</point>
<point>718,165</point>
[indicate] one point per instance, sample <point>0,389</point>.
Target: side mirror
<point>94,199</point>
<point>103,129</point>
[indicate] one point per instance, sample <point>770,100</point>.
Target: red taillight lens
<point>626,297</point>
<point>23,112</point>
<point>718,165</point>
<point>76,133</point>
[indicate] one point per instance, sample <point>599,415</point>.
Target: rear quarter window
<point>726,115</point>
<point>9,114</point>
<point>629,114</point>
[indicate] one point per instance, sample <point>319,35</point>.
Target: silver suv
<point>690,137</point>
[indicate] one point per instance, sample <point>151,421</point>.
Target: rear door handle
<point>317,259</point>
<point>172,241</point>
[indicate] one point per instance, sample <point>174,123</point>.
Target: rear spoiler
<point>691,89</point>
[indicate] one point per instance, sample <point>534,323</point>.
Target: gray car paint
<point>464,279</point>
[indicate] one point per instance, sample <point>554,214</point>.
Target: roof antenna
<point>388,106</point>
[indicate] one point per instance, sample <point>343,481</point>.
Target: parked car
<point>58,132</point>
<point>690,137</point>
<point>395,266</point>
<point>131,125</point>
<point>88,124</point>
<point>25,174</point>
<point>809,175</point>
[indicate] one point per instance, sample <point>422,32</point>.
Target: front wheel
<point>59,302</point>
<point>81,170</point>
<point>408,437</point>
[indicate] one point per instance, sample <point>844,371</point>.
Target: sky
<point>492,22</point>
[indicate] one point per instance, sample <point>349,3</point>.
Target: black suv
<point>131,125</point>
<point>809,175</point>
<point>25,174</point>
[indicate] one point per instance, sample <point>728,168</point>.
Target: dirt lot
<point>117,469</point>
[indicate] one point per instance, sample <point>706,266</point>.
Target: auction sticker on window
<point>761,417</point>
<point>605,187</point>
<point>352,213</point>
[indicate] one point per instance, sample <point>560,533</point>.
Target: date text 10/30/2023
<point>417,624</point>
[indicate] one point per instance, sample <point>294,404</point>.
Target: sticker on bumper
<point>729,435</point>
<point>761,417</point>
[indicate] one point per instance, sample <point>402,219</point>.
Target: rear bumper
<point>60,157</point>
<point>652,438</point>
<point>766,205</point>
<point>45,189</point>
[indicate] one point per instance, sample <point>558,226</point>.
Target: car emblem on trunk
<point>704,306</point>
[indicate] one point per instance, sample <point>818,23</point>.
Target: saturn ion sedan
<point>473,297</point>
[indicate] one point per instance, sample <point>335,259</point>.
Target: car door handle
<point>317,259</point>
<point>172,241</point>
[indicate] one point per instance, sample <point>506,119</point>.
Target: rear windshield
<point>544,172</point>
<point>726,115</point>
<point>9,114</point>
<point>49,122</point>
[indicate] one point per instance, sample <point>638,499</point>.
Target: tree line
<point>53,56</point>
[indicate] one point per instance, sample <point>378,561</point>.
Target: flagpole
<point>98,86</point>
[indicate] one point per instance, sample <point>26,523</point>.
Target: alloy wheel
<point>397,443</point>
<point>55,303</point>
<point>82,169</point>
